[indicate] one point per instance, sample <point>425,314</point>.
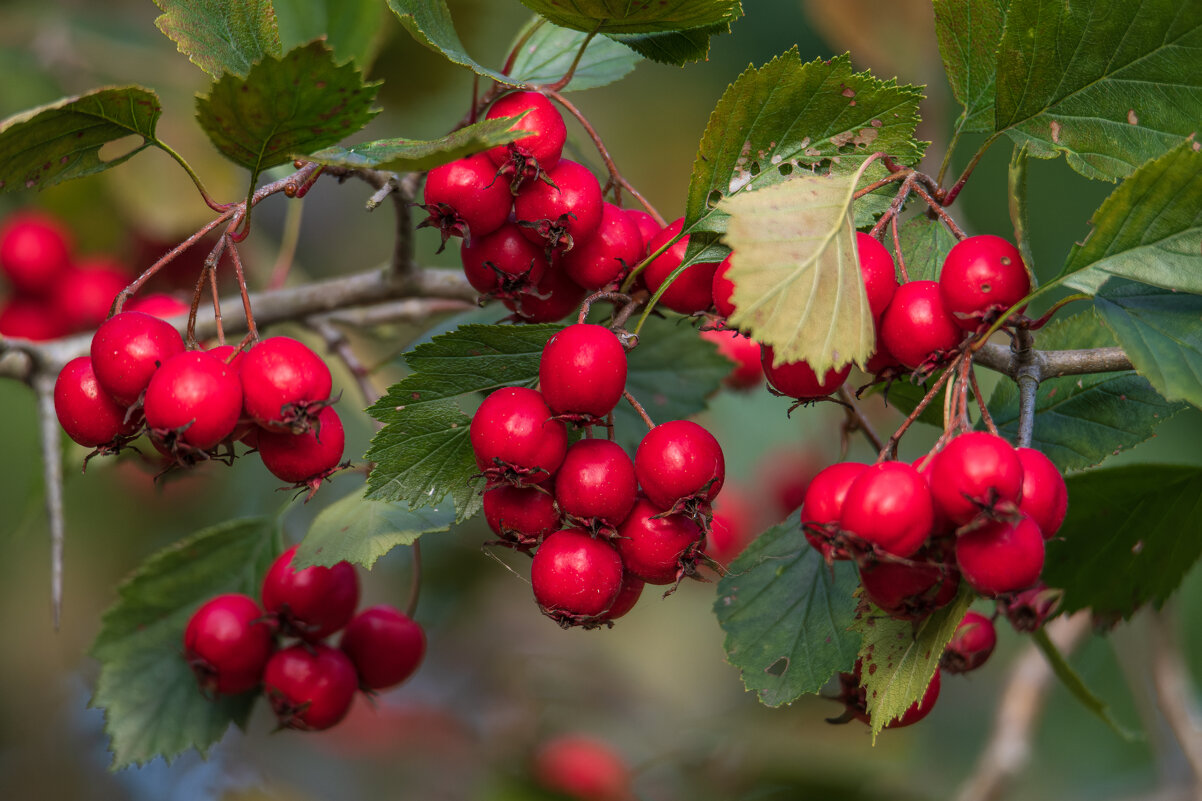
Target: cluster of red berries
<point>55,293</point>
<point>233,644</point>
<point>194,404</point>
<point>596,538</point>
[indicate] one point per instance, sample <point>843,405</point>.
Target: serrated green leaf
<point>900,657</point>
<point>925,244</point>
<point>1082,420</point>
<point>674,47</point>
<point>547,55</point>
<point>152,704</point>
<point>1139,522</point>
<point>285,107</point>
<point>358,530</point>
<point>61,141</point>
<point>1109,85</point>
<point>1149,229</point>
<point>624,16</point>
<point>352,28</point>
<point>415,155</point>
<point>1161,332</point>
<point>429,22</point>
<point>221,36</point>
<point>788,117</point>
<point>798,285</point>
<point>787,616</point>
<point>968,32</point>
<point>1076,686</point>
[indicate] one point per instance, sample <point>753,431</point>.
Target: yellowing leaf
<point>797,278</point>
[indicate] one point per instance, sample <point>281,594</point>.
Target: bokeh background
<point>500,678</point>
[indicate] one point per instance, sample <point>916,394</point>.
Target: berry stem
<point>567,77</point>
<point>857,420</point>
<point>951,147</point>
<point>252,330</point>
<point>891,446</point>
<point>638,408</point>
<point>212,204</point>
<point>152,270</point>
<point>937,208</point>
<point>1035,325</point>
<point>985,415</point>
<point>897,251</point>
<point>952,193</point>
<point>591,299</point>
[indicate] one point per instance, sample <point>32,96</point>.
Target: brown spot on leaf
<point>1055,132</point>
<point>1131,118</point>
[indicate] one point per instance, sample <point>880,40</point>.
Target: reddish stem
<point>638,408</point>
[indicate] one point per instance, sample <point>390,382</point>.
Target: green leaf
<point>1082,420</point>
<point>221,36</point>
<point>925,244</point>
<point>352,28</point>
<point>547,55</point>
<point>415,155</point>
<point>674,47</point>
<point>1016,192</point>
<point>1075,685</point>
<point>1149,229</point>
<point>623,16</point>
<point>1161,332</point>
<point>429,22</point>
<point>789,117</point>
<point>798,285</point>
<point>969,31</point>
<point>285,107</point>
<point>358,530</point>
<point>423,453</point>
<point>152,705</point>
<point>1110,85</point>
<point>61,141</point>
<point>787,616</point>
<point>900,657</point>
<point>1138,522</point>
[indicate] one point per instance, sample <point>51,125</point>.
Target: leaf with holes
<point>221,36</point>
<point>430,23</point>
<point>352,28</point>
<point>900,657</point>
<point>798,285</point>
<point>285,107</point>
<point>61,141</point>
<point>415,155</point>
<point>968,32</point>
<point>1109,85</point>
<point>787,616</point>
<point>548,51</point>
<point>623,16</point>
<point>152,704</point>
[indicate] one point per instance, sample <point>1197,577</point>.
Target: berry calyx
<point>798,380</point>
<point>515,438</point>
<point>503,264</point>
<point>971,645</point>
<point>977,472</point>
<point>126,351</point>
<point>87,413</point>
<point>520,516</point>
<point>385,645</point>
<point>1027,610</point>
<point>582,372</point>
<point>880,275</point>
<point>227,644</point>
<point>1001,556</point>
<point>554,297</point>
<point>310,687</point>
<point>1044,493</point>
<point>284,384</point>
<point>465,199</point>
<point>595,486</point>
<point>982,277</point>
<point>659,548</point>
<point>693,290</point>
<point>313,602</point>
<point>576,578</point>
<point>680,466</point>
<point>916,328</point>
<point>562,211</point>
<point>890,507</point>
<point>911,589</point>
<point>193,401</point>
<point>540,150</point>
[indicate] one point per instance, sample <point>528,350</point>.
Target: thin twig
<point>639,409</point>
<point>937,208</point>
<point>891,446</point>
<point>985,415</point>
<point>52,478</point>
<point>1028,375</point>
<point>857,420</point>
<point>247,309</point>
<point>338,344</point>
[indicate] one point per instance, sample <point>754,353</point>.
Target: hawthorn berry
<point>126,351</point>
<point>916,328</point>
<point>385,645</point>
<point>798,380</point>
<point>284,384</point>
<point>312,602</point>
<point>561,212</point>
<point>920,708</point>
<point>84,293</point>
<point>1044,493</point>
<point>582,372</point>
<point>971,644</point>
<point>576,578</point>
<point>734,525</point>
<point>85,411</point>
<point>309,686</point>
<point>158,304</point>
<point>744,354</point>
<point>659,548</point>
<point>32,318</point>
<point>982,276</point>
<point>910,589</point>
<point>1028,609</point>
<point>889,506</point>
<point>854,697</point>
<point>628,596</point>
<point>35,250</point>
<point>647,226</point>
<point>520,516</point>
<point>595,485</point>
<point>608,254</point>
<point>693,290</point>
<point>227,643</point>
<point>582,769</point>
<point>976,472</point>
<point>539,149</point>
<point>306,458</point>
<point>193,400</point>
<point>822,507</point>
<point>465,199</point>
<point>515,439</point>
<point>723,289</point>
<point>1001,556</point>
<point>503,264</point>
<point>680,464</point>
<point>880,275</point>
<point>555,297</point>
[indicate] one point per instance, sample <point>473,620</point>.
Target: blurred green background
<point>500,678</point>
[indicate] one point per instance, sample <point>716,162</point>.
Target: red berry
<point>648,228</point>
<point>1001,556</point>
<point>595,486</point>
<point>823,507</point>
<point>582,769</point>
<point>158,304</point>
<point>32,318</point>
<point>628,596</point>
<point>466,198</point>
<point>562,216</point>
<point>515,439</point>
<point>304,458</point>
<point>658,548</point>
<point>881,359</point>
<point>126,351</point>
<point>971,645</point>
<point>1027,610</point>
<point>385,645</point>
<point>744,354</point>
<point>582,372</point>
<point>555,297</point>
<point>310,687</point>
<point>576,578</point>
<point>84,294</point>
<point>982,276</point>
<point>723,289</point>
<point>544,143</point>
<point>608,254</point>
<point>311,603</point>
<point>976,472</point>
<point>87,413</point>
<point>284,384</point>
<point>680,462</point>
<point>227,643</point>
<point>503,264</point>
<point>195,396</point>
<point>693,290</point>
<point>34,252</point>
<point>521,516</point>
<point>911,589</point>
<point>889,506</point>
<point>920,708</point>
<point>880,276</point>
<point>854,696</point>
<point>917,329</point>
<point>1044,495</point>
<point>798,380</point>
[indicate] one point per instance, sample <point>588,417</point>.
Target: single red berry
<point>521,516</point>
<point>313,602</point>
<point>227,643</point>
<point>543,145</point>
<point>1044,494</point>
<point>385,645</point>
<point>1001,556</point>
<point>555,297</point>
<point>582,372</point>
<point>648,228</point>
<point>723,289</point>
<point>195,396</point>
<point>595,486</point>
<point>693,290</point>
<point>35,250</point>
<point>85,292</point>
<point>1027,610</point>
<point>465,198</point>
<point>880,276</point>
<point>744,354</point>
<point>889,506</point>
<point>977,472</point>
<point>679,463</point>
<point>576,578</point>
<point>982,277</point>
<point>515,439</point>
<point>659,548</point>
<point>628,596</point>
<point>607,255</point>
<point>798,380</point>
<point>971,645</point>
<point>503,264</point>
<point>916,328</point>
<point>910,589</point>
<point>306,458</point>
<point>823,507</point>
<point>126,351</point>
<point>582,769</point>
<point>284,384</point>
<point>32,318</point>
<point>158,304</point>
<point>310,686</point>
<point>85,411</point>
<point>561,212</point>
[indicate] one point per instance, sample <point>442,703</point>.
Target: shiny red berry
<point>693,290</point>
<point>982,277</point>
<point>35,251</point>
<point>544,143</point>
<point>515,439</point>
<point>194,399</point>
<point>521,516</point>
<point>1001,556</point>
<point>576,577</point>
<point>555,297</point>
<point>385,645</point>
<point>595,486</point>
<point>503,264</point>
<point>85,292</point>
<point>976,472</point>
<point>608,254</point>
<point>680,463</point>
<point>659,548</point>
<point>917,328</point>
<point>890,507</point>
<point>823,507</point>
<point>723,289</point>
<point>32,318</point>
<point>628,596</point>
<point>310,687</point>
<point>565,210</point>
<point>85,411</point>
<point>284,384</point>
<point>971,645</point>
<point>798,380</point>
<point>227,643</point>
<point>910,589</point>
<point>1044,494</point>
<point>744,354</point>
<point>313,602</point>
<point>582,372</point>
<point>306,458</point>
<point>466,198</point>
<point>126,351</point>
<point>880,275</point>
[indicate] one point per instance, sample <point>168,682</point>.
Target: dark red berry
<point>196,398</point>
<point>734,526</point>
<point>854,696</point>
<point>582,769</point>
<point>723,289</point>
<point>385,645</point>
<point>85,292</point>
<point>823,507</point>
<point>158,304</point>
<point>595,486</point>
<point>659,548</point>
<point>880,276</point>
<point>890,507</point>
<point>313,602</point>
<point>920,708</point>
<point>576,578</point>
<point>310,686</point>
<point>284,384</point>
<point>515,439</point>
<point>1044,495</point>
<point>126,351</point>
<point>971,645</point>
<point>743,352</point>
<point>582,372</point>
<point>521,516</point>
<point>35,250</point>
<point>555,297</point>
<point>544,143</point>
<point>1027,610</point>
<point>648,228</point>
<point>565,210</point>
<point>679,464</point>
<point>1001,556</point>
<point>608,254</point>
<point>227,643</point>
<point>306,458</point>
<point>85,411</point>
<point>976,472</point>
<point>465,198</point>
<point>503,264</point>
<point>982,277</point>
<point>628,596</point>
<point>693,290</point>
<point>916,328</point>
<point>798,380</point>
<point>911,589</point>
